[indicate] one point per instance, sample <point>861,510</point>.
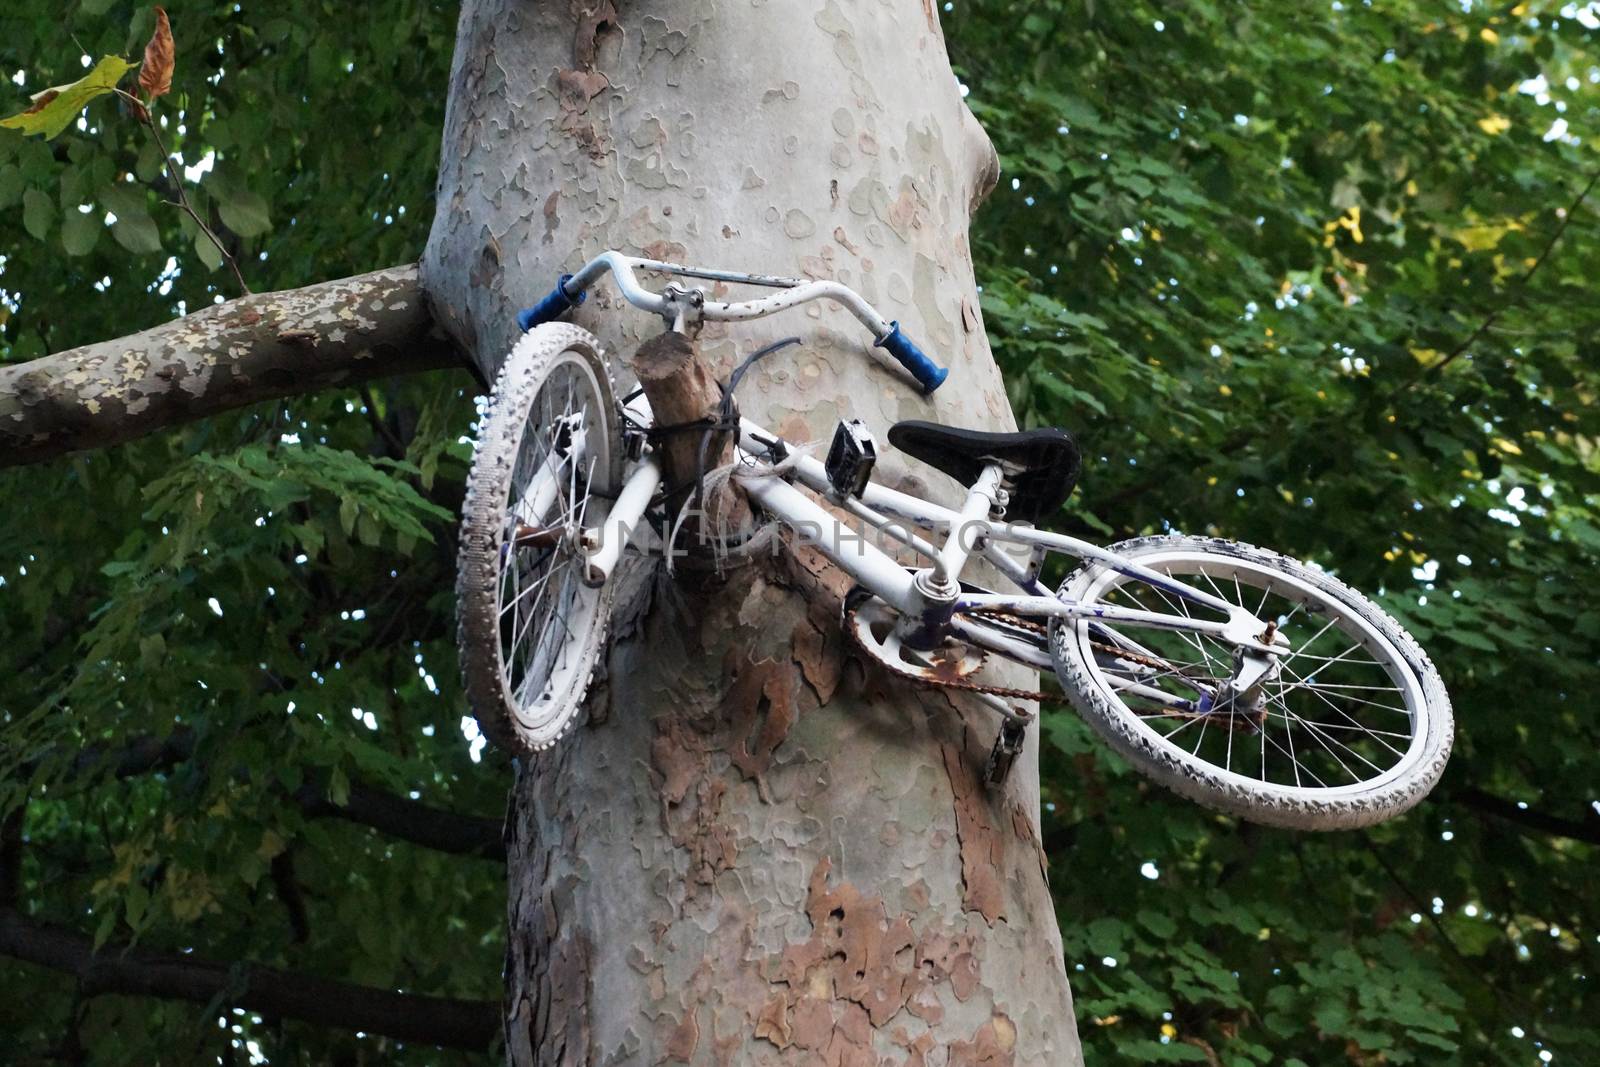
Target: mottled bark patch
<point>595,20</point>
<point>819,651</point>
<point>858,972</point>
<point>685,1038</point>
<point>691,801</point>
<point>548,989</point>
<point>983,846</point>
<point>994,1045</point>
<point>1023,826</point>
<point>760,705</point>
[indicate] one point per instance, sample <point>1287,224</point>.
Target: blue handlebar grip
<point>927,373</point>
<point>552,307</point>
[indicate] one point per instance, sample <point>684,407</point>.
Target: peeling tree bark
<point>760,850</point>
<point>254,348</point>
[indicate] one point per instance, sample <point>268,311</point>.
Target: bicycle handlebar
<point>927,373</point>
<point>552,307</point>
<point>571,290</point>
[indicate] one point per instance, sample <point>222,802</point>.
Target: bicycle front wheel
<point>547,463</point>
<point>1354,728</point>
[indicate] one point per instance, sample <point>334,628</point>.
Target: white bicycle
<point>1239,678</point>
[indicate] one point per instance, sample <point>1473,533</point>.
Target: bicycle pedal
<point>851,457</point>
<point>1007,745</point>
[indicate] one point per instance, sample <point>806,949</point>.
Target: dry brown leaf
<point>42,100</point>
<point>155,77</point>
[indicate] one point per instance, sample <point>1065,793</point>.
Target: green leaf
<point>244,212</point>
<point>135,903</point>
<point>339,787</point>
<point>1473,639</point>
<point>11,183</point>
<point>134,229</point>
<point>151,651</point>
<point>38,214</point>
<point>1158,923</point>
<point>137,233</point>
<point>80,232</point>
<point>105,928</point>
<point>54,109</point>
<point>123,199</point>
<point>150,163</point>
<point>368,532</point>
<point>207,250</point>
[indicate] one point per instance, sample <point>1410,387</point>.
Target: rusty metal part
<point>537,536</point>
<point>952,663</point>
<point>938,677</point>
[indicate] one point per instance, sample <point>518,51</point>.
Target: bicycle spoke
<point>1324,738</point>
<point>1370,688</point>
<point>1294,761</point>
<point>1184,634</point>
<point>1288,718</point>
<point>1354,726</point>
<point>1316,687</point>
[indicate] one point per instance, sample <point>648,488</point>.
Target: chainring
<point>871,625</point>
<point>874,626</point>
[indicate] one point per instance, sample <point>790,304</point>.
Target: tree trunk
<point>759,849</point>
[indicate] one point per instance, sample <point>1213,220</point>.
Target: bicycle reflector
<point>850,458</point>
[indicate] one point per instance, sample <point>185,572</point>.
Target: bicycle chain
<point>1004,692</point>
<point>1116,650</point>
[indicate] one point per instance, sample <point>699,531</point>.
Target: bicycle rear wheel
<point>1355,728</point>
<point>547,463</point>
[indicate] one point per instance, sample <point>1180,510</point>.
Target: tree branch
<point>142,755</point>
<point>409,820</point>
<point>443,1021</point>
<point>1434,369</point>
<point>11,856</point>
<point>1587,830</point>
<point>254,348</point>
<point>399,817</point>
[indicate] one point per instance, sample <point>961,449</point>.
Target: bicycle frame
<point>968,532</point>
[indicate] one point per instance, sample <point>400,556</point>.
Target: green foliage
<point>273,584</point>
<point>1315,276</point>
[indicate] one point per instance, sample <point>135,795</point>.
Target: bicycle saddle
<point>1041,466</point>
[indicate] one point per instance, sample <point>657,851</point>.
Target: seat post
<point>975,512</point>
<point>934,589</point>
